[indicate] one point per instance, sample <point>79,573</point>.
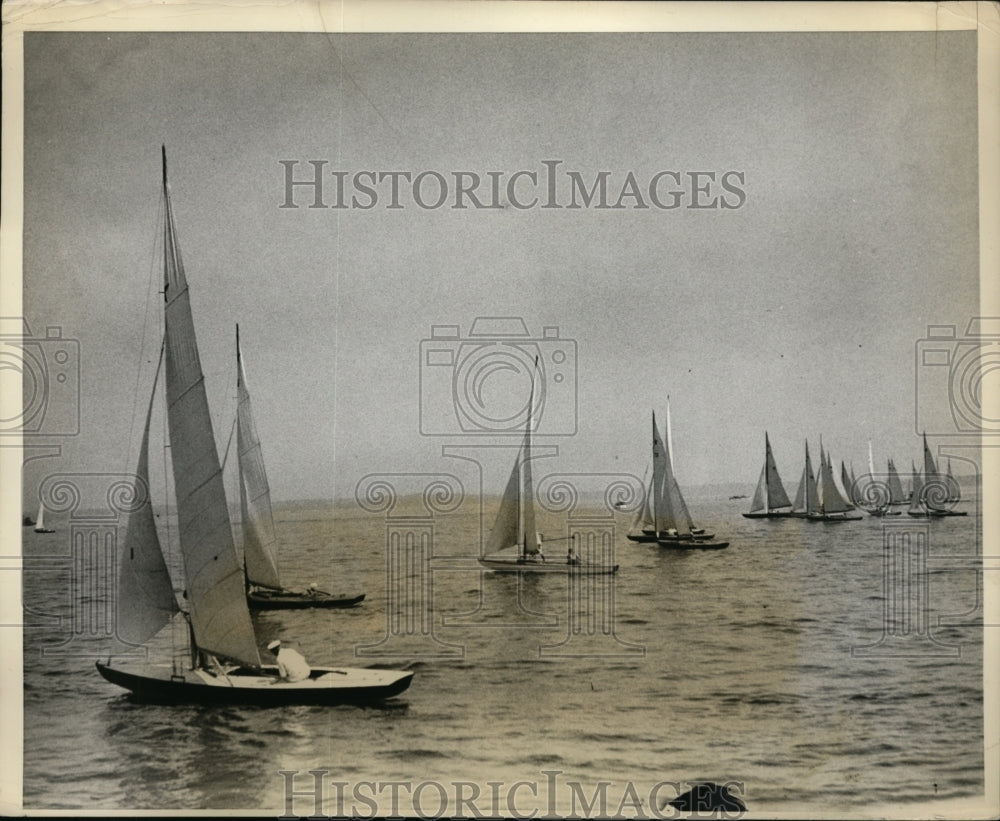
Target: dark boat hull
<point>514,565</point>
<point>833,517</point>
<point>156,684</point>
<point>642,538</point>
<point>935,514</point>
<point>289,600</point>
<point>691,544</point>
<point>773,514</point>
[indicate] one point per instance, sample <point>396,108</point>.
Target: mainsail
<point>146,600</point>
<point>831,499</point>
<point>260,547</point>
<point>215,588</point>
<point>643,519</point>
<point>515,521</point>
<point>770,493</point>
<point>896,494</point>
<point>916,503</point>
<point>806,498</point>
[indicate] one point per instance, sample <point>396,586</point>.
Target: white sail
<point>260,547</point>
<point>670,440</point>
<point>643,519</point>
<point>806,498</point>
<point>40,518</point>
<point>770,493</point>
<point>674,514</point>
<point>760,495</point>
<point>663,516</point>
<point>506,527</point>
<point>831,499</point>
<point>896,494</point>
<point>846,485</point>
<point>215,589</point>
<point>146,600</point>
<point>916,503</point>
<point>515,520</point>
<point>930,469</point>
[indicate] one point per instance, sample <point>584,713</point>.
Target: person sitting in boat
<point>292,666</point>
<point>571,557</point>
<point>312,589</point>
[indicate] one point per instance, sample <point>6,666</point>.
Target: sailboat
<point>883,509</point>
<point>674,525</point>
<point>896,494</point>
<point>224,664</point>
<point>954,490</point>
<point>832,506</point>
<point>930,489</point>
<point>642,528</point>
<point>806,501</point>
<point>770,498</point>
<point>260,545</point>
<point>514,546</point>
<point>40,521</point>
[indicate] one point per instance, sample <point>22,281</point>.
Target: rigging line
<point>153,271</point>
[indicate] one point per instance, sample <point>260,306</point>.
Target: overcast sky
<point>797,312</point>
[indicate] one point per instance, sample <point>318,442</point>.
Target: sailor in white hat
<point>292,666</point>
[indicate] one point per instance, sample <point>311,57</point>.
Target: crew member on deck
<point>292,666</point>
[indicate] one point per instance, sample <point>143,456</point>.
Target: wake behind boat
<point>514,546</point>
<point>224,663</point>
<point>260,544</point>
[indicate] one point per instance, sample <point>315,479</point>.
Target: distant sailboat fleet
<point>820,497</point>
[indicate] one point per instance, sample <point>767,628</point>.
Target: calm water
<point>732,665</point>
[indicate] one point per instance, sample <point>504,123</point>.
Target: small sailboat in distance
<point>643,528</point>
<point>806,500</point>
<point>831,504</point>
<point>879,506</point>
<point>260,544</point>
<point>224,664</point>
<point>931,491</point>
<point>674,526</point>
<point>769,500</point>
<point>514,545</point>
<point>40,520</point>
<point>897,496</point>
